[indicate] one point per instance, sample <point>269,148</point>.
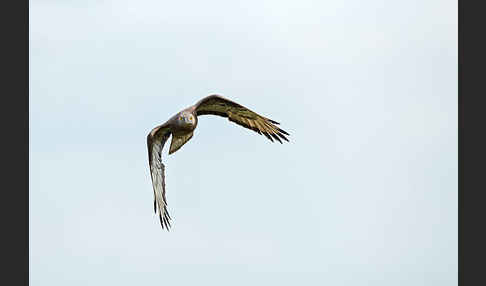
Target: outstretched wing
<point>218,105</point>
<point>155,143</point>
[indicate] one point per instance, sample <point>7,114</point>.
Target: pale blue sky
<point>364,194</point>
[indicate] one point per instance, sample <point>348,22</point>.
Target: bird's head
<point>187,119</point>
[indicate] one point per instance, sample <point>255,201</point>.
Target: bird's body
<point>181,126</point>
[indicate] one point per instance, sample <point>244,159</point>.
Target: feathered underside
<point>155,143</point>
<point>218,105</point>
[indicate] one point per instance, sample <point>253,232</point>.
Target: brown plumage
<point>181,126</point>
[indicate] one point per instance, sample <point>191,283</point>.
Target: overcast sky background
<point>364,194</point>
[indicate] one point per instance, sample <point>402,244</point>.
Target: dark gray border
<point>14,117</point>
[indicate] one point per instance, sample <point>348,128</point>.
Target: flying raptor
<point>181,126</point>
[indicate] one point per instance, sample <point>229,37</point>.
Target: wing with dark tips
<point>218,105</point>
<point>155,143</point>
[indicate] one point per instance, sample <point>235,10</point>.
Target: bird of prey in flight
<point>181,126</point>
